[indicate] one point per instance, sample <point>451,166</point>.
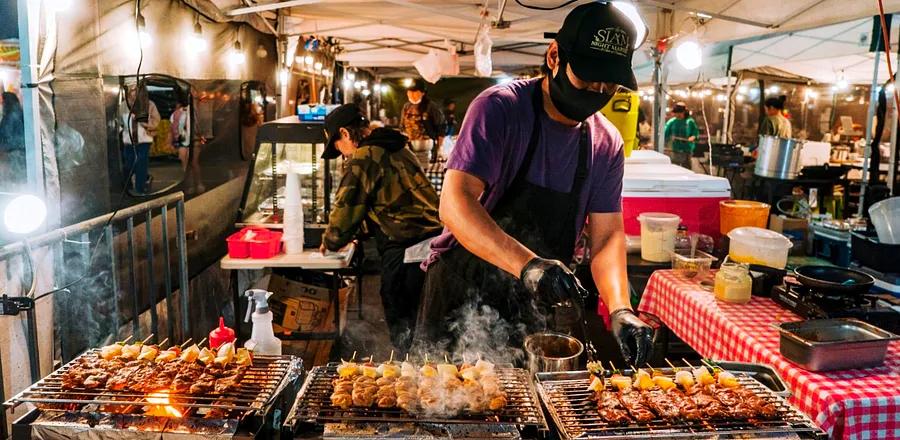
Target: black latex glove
<point>635,338</point>
<point>550,282</point>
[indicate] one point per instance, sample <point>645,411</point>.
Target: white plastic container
<point>262,339</point>
<point>753,245</point>
<point>658,230</point>
<point>885,216</point>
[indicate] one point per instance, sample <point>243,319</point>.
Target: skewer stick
<point>202,341</point>
<point>125,341</point>
<point>426,358</point>
<point>614,369</point>
<point>391,359</point>
<point>352,358</point>
<point>407,356</point>
<point>185,343</point>
<point>704,362</point>
<point>652,371</point>
<point>147,338</point>
<point>372,358</point>
<point>674,368</point>
<point>688,363</point>
<point>164,341</point>
<point>446,360</point>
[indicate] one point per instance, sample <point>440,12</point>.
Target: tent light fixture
<point>689,54</point>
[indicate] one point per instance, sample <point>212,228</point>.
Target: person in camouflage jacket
<point>385,188</point>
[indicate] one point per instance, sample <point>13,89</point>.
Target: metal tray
<point>834,344</point>
<point>764,374</point>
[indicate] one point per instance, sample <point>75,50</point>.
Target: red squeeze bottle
<point>220,335</point>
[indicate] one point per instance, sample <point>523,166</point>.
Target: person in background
<point>449,117</point>
<point>180,131</point>
<point>384,186</point>
<point>775,123</point>
<point>681,132</point>
<point>12,140</point>
<point>136,140</point>
<point>421,118</point>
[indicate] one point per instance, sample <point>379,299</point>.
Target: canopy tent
<point>391,34</point>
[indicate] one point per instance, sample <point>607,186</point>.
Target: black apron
<point>459,284</point>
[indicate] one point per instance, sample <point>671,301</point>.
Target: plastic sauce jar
<point>733,283</point>
<point>658,230</point>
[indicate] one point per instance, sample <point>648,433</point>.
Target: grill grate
<point>314,404</point>
<point>261,383</point>
<point>568,402</point>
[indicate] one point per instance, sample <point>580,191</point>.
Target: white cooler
<point>647,157</point>
<point>676,190</point>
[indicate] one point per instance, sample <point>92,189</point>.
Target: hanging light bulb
<point>366,92</point>
<point>318,66</point>
<point>635,17</point>
<point>407,82</point>
<point>326,73</point>
<point>261,51</point>
<point>351,75</point>
<point>308,60</point>
<point>237,54</point>
<point>689,54</point>
<point>384,89</point>
<point>143,36</point>
<point>196,43</point>
<point>347,83</point>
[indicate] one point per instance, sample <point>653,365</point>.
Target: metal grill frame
<point>260,385</point>
<point>313,404</point>
<point>566,398</point>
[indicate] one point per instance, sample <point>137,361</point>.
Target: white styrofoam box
<point>815,153</point>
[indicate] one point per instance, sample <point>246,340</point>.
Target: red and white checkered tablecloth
<point>849,404</point>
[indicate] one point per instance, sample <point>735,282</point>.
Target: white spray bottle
<point>262,340</point>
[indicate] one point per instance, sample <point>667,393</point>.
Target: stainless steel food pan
<point>834,344</point>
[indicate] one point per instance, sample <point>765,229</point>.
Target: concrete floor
<point>367,335</point>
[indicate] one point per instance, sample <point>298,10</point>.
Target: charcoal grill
<point>567,400</point>
<point>269,383</point>
<point>314,405</point>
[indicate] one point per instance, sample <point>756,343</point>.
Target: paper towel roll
<point>293,214</point>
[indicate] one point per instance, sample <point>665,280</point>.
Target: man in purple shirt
<point>534,160</point>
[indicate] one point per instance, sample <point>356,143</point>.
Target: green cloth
<point>777,125</point>
<point>390,189</point>
<point>682,128</point>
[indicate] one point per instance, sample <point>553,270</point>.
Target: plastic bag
<point>483,44</point>
<point>429,66</point>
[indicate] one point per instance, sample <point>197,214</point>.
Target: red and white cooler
<point>661,187</point>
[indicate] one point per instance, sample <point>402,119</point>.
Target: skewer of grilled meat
<point>497,398</point>
<point>407,388</point>
<point>386,396</point>
<point>610,408</point>
<point>364,390</point>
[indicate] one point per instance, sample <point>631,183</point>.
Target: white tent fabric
<point>826,54</point>
<point>393,33</point>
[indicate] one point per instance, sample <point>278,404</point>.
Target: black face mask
<point>575,104</point>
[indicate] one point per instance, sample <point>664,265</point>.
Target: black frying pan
<point>834,280</point>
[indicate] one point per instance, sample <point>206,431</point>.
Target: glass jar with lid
<point>733,283</point>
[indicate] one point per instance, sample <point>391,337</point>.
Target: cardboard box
<point>796,229</point>
<point>298,306</point>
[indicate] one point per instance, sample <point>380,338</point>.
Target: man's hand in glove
<point>551,282</point>
<point>635,338</point>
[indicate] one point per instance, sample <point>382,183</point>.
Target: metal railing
<point>108,243</point>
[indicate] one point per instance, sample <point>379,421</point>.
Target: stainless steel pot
<point>551,352</point>
<point>778,158</point>
<point>421,145</point>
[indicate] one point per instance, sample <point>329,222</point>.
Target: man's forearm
<point>609,270</point>
<point>474,228</point>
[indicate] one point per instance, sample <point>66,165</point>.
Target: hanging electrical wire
<point>545,8</point>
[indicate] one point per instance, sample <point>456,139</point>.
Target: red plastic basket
<point>261,244</point>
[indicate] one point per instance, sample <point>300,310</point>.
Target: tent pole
<point>867,148</point>
<point>892,168</point>
<point>728,88</point>
<point>29,13</point>
<point>659,102</point>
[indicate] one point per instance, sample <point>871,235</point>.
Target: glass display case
<point>282,144</point>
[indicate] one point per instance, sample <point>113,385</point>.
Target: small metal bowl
<point>551,352</point>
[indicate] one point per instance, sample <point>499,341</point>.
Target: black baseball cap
<point>598,42</point>
<point>343,116</point>
<point>417,85</point>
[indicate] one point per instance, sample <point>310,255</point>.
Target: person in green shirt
<point>383,187</point>
<point>775,123</point>
<point>681,133</point>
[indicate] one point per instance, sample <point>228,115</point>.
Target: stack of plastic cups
<point>293,213</point>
